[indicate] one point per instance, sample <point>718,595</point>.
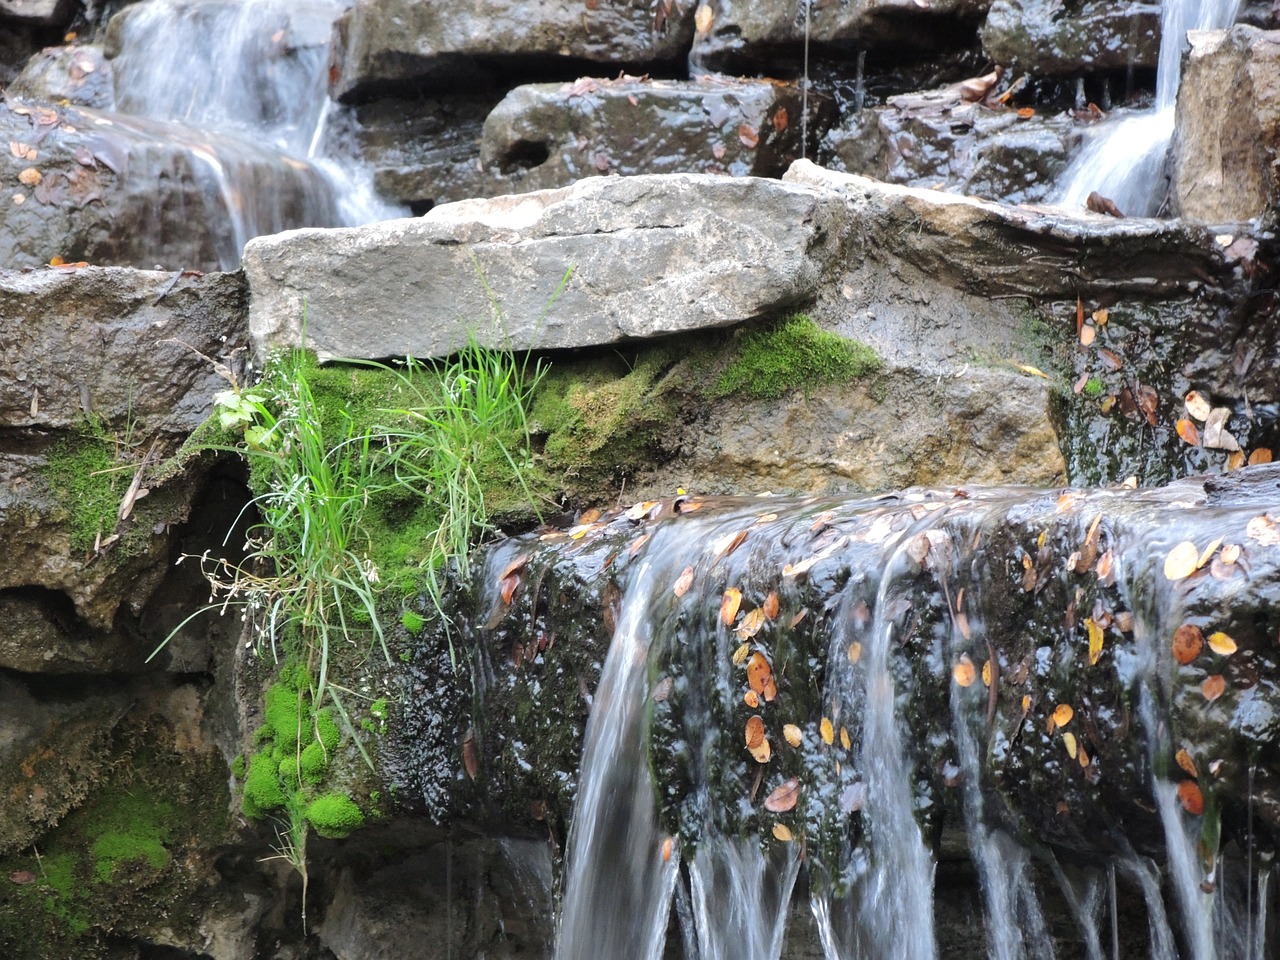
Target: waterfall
<point>1124,159</point>
<point>242,86</point>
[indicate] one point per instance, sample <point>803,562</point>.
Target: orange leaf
<point>751,623</point>
<point>1213,687</point>
<point>1087,335</point>
<point>782,832</point>
<point>1026,113</point>
<point>755,732</point>
<point>780,119</point>
<point>854,652</point>
<point>752,699</point>
<point>964,672</point>
<point>1187,643</point>
<point>508,587</point>
<point>726,545</point>
<point>784,797</point>
<point>1062,715</point>
<point>1190,797</point>
<point>1079,315</point>
<point>770,606</point>
<point>759,673</point>
<point>666,850</point>
<point>729,606</point>
<point>1261,455</point>
<point>1186,763</point>
<point>827,731</point>
<point>748,135</point>
<point>1188,432</point>
<point>683,582</point>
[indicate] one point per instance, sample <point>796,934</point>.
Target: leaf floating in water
<point>751,623</point>
<point>1069,740</point>
<point>683,582</point>
<point>770,605</point>
<point>1214,686</point>
<point>854,652</point>
<point>794,570</point>
<point>827,732</point>
<point>1188,432</point>
<point>1197,405</point>
<point>1190,797</point>
<point>1221,644</point>
<point>704,19</point>
<point>729,606</point>
<point>1264,529</point>
<point>1181,561</point>
<point>1184,760</point>
<point>727,544</point>
<point>741,654</point>
<point>1187,643</point>
<point>792,734</point>
<point>964,672</point>
<point>1095,639</point>
<point>755,732</point>
<point>782,832</point>
<point>784,797</point>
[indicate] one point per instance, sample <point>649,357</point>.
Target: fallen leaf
<point>751,623</point>
<point>827,732</point>
<point>637,544</point>
<point>1101,316</point>
<point>30,177</point>
<point>1207,553</point>
<point>749,137</point>
<point>1087,335</point>
<point>1026,113</point>
<point>1062,714</point>
<point>780,119</point>
<point>1105,568</point>
<point>1100,204</point>
<point>508,587</point>
<point>1230,553</point>
<point>662,691</point>
<point>741,653</point>
<point>683,582</point>
<point>717,151</point>
<point>1184,760</point>
<point>770,605</point>
<point>792,734</point>
<point>845,740</point>
<point>727,544</point>
<point>704,19</point>
<point>1181,561</point>
<point>964,672</point>
<point>1187,643</point>
<point>1221,644</point>
<point>1216,436</point>
<point>784,797</point>
<point>729,606</point>
<point>1111,360</point>
<point>22,877</point>
<point>470,762</point>
<point>1094,630</point>
<point>986,674</point>
<point>760,674</point>
<point>762,753</point>
<point>782,832</point>
<point>666,849</point>
<point>804,612</point>
<point>1197,405</point>
<point>854,652</point>
<point>755,732</point>
<point>975,89</point>
<point>1235,460</point>
<point>1214,686</point>
<point>752,699</point>
<point>795,569</point>
<point>1079,314</point>
<point>1265,529</point>
<point>1261,455</point>
<point>1190,797</point>
<point>1069,740</point>
<point>1188,432</point>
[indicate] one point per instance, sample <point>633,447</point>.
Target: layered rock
<point>1228,127</point>
<point>1042,38</point>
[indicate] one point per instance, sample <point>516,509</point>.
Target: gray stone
<point>649,256</point>
<point>751,31</point>
<point>1224,159</point>
<point>42,12</point>
<point>404,46</point>
<point>79,75</point>
<point>1048,38</point>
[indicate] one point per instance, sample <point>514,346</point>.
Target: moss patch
<point>334,815</point>
<point>794,354</point>
<point>81,475</point>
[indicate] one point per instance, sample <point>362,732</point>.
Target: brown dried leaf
<point>683,582</point>
<point>1100,204</point>
<point>470,761</point>
<point>748,135</point>
<point>780,119</point>
<point>727,544</point>
<point>1188,432</point>
<point>755,732</point>
<point>508,587</point>
<point>1214,686</point>
<point>770,605</point>
<point>729,605</point>
<point>1188,641</point>
<point>784,797</point>
<point>1184,760</point>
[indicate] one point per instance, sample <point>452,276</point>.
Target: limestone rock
<point>749,31</point>
<point>404,46</point>
<point>547,135</point>
<point>1227,134</point>
<point>1043,38</point>
<point>79,75</point>
<point>937,139</point>
<point>650,255</point>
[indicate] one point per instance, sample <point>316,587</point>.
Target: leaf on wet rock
<point>662,691</point>
<point>470,760</point>
<point>728,543</point>
<point>770,605</point>
<point>1214,686</point>
<point>704,19</point>
<point>683,582</point>
<point>1197,405</point>
<point>762,753</point>
<point>1188,432</point>
<point>729,605</point>
<point>1184,760</point>
<point>854,653</point>
<point>964,672</point>
<point>1261,455</point>
<point>1265,530</point>
<point>508,587</point>
<point>986,674</point>
<point>748,135</point>
<point>1207,553</point>
<point>1094,630</point>
<point>1087,335</point>
<point>784,797</point>
<point>1221,644</point>
<point>741,653</point>
<point>792,734</point>
<point>1111,360</point>
<point>760,676</point>
<point>845,740</point>
<point>1190,797</point>
<point>1097,203</point>
<point>752,699</point>
<point>1216,435</point>
<point>1069,741</point>
<point>30,177</point>
<point>780,119</point>
<point>1187,643</point>
<point>1181,561</point>
<point>751,624</point>
<point>755,732</point>
<point>782,832</point>
<point>1230,553</point>
<point>1062,714</point>
<point>827,731</point>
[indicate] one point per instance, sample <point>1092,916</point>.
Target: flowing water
<point>1124,159</point>
<point>850,638</point>
<point>241,86</point>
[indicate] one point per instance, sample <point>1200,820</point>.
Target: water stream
<point>897,678</point>
<point>1124,159</point>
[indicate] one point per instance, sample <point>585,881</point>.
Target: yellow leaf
<point>1062,715</point>
<point>963,672</point>
<point>844,738</point>
<point>762,753</point>
<point>1207,553</point>
<point>986,674</point>
<point>1095,640</point>
<point>782,832</point>
<point>704,19</point>
<point>729,605</point>
<point>828,732</point>
<point>751,623</point>
<point>1221,644</point>
<point>792,734</point>
<point>855,652</point>
<point>741,654</point>
<point>1069,740</point>
<point>1181,561</point>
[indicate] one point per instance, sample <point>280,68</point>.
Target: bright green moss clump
<point>79,472</point>
<point>794,354</point>
<point>262,791</point>
<point>413,621</point>
<point>334,815</point>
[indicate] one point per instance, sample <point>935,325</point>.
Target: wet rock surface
<point>1047,39</point>
<point>1224,160</point>
<point>76,74</point>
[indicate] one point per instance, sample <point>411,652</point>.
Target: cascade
<point>1124,159</point>
<point>811,700</point>
<point>241,85</point>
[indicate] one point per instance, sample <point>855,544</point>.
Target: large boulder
<point>648,256</point>
<point>1050,39</point>
<point>1227,134</point>
<point>405,46</point>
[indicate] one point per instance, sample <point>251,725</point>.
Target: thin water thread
<point>804,90</point>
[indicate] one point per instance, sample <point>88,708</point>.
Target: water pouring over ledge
<point>1124,160</point>
<point>1043,713</point>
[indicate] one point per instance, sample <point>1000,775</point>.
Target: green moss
<point>238,767</point>
<point>80,474</point>
<point>794,354</point>
<point>327,729</point>
<point>115,849</point>
<point>283,711</point>
<point>334,815</point>
<point>314,762</point>
<point>1093,387</point>
<point>262,790</point>
<point>412,621</point>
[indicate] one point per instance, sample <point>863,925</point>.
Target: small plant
<point>794,354</point>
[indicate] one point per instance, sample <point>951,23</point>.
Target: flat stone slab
<point>649,255</point>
